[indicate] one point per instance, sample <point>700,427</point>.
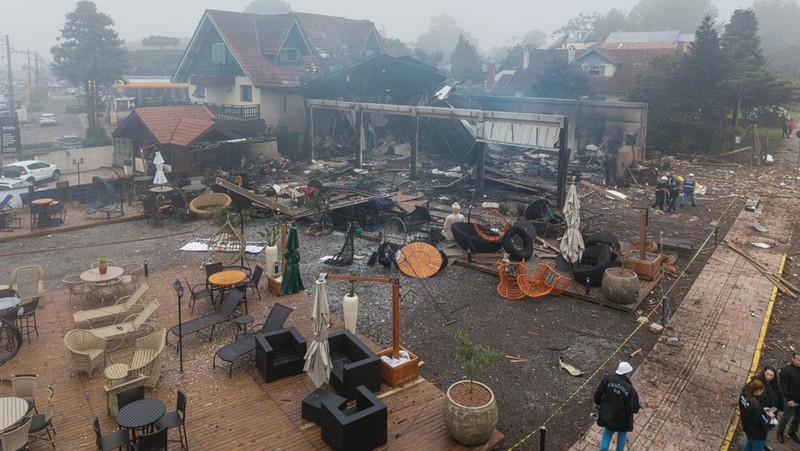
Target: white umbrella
<point>318,357</point>
<point>572,246</point>
<point>160,178</point>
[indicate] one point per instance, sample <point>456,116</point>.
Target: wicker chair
<point>103,290</point>
<point>123,306</point>
<point>28,282</point>
<point>147,357</point>
<point>76,286</point>
<point>87,350</point>
<point>16,438</point>
<point>131,272</point>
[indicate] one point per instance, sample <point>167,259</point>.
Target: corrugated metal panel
<point>522,135</point>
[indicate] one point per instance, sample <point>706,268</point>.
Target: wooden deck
<point>241,412</point>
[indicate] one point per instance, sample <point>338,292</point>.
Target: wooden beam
<point>605,192</point>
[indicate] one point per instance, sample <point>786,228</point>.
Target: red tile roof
<point>175,125</point>
<point>255,38</point>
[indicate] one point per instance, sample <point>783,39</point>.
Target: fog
<point>36,24</point>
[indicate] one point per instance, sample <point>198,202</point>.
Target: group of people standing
<point>764,398</point>
<point>788,127</point>
<point>670,188</point>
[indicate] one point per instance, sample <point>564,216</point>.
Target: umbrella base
<point>402,372</point>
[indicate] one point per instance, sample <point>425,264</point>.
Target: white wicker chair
<point>123,306</point>
<point>87,350</point>
<point>76,286</point>
<point>147,358</point>
<point>131,272</point>
<point>28,282</point>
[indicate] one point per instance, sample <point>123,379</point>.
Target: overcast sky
<point>35,24</point>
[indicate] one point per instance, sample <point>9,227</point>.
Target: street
<point>67,123</point>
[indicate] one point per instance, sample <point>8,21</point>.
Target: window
<point>596,69</point>
<point>246,93</point>
<point>291,55</point>
<point>199,92</point>
<point>218,53</point>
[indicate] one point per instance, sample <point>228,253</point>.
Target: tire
<point>602,237</point>
<point>596,259</point>
<point>518,242</point>
<point>56,175</point>
<point>466,237</point>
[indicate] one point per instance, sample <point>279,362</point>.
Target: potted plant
<point>470,408</point>
<point>350,308</point>
<point>102,265</point>
<point>271,235</point>
<point>319,204</point>
<point>127,166</point>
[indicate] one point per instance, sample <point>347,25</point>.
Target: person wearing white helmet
<point>617,401</point>
<point>661,193</point>
<point>673,192</point>
<point>689,186</point>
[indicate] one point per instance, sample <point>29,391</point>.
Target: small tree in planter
<point>470,408</point>
<point>271,235</point>
<point>319,203</point>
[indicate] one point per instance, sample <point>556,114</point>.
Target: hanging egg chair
<point>226,246</point>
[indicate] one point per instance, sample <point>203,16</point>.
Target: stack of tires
<point>517,241</point>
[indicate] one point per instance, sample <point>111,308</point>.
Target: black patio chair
<point>255,279</point>
<point>176,419</point>
<point>28,312</point>
<point>198,325</point>
<point>361,427</point>
<point>156,441</point>
<point>280,353</point>
<point>152,212</point>
<point>130,395</point>
<point>113,440</point>
<point>246,344</point>
<point>353,364</point>
<point>199,291</point>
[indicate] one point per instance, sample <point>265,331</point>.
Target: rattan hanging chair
<point>227,246</point>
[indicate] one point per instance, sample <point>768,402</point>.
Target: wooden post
<point>361,141</point>
<point>311,130</point>
<point>415,151</point>
<point>395,319</point>
<point>480,157</point>
<point>283,249</point>
<point>643,233</point>
<point>563,165</point>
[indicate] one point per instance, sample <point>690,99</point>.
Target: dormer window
<point>290,55</point>
<point>596,69</point>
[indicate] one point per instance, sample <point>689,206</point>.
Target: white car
<point>47,119</point>
<point>32,171</point>
<point>14,187</point>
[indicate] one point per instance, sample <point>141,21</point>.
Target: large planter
<point>271,258</point>
<point>469,425</point>
<point>206,205</point>
<point>621,285</point>
<point>350,309</point>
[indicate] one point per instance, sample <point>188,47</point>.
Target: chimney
<point>570,53</point>
<point>491,72</point>
<point>526,57</point>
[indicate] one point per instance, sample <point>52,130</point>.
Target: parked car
<point>47,119</point>
<point>70,142</point>
<point>15,187</point>
<point>32,171</point>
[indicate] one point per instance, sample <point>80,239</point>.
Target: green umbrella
<point>291,283</point>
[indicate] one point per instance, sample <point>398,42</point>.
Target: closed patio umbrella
<point>160,178</point>
<point>572,246</point>
<point>318,358</point>
<point>291,283</point>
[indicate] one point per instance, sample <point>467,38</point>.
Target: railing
<point>235,112</point>
<point>207,68</point>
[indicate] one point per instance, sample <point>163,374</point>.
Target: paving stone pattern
<point>688,389</point>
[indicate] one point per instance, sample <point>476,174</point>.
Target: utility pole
<point>36,68</point>
<point>29,69</point>
<point>11,106</point>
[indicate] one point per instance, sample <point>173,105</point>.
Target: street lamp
<point>178,286</point>
<point>78,162</point>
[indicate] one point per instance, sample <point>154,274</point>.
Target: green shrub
<point>97,142</point>
<point>96,132</point>
<point>38,145</point>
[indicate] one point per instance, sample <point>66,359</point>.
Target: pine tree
<point>466,62</point>
<point>706,73</point>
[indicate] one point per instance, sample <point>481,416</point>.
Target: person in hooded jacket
<point>755,418</point>
<point>773,395</point>
<point>790,385</point>
<point>617,401</point>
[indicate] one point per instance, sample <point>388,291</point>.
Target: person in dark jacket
<point>673,192</point>
<point>755,418</point>
<point>773,395</point>
<point>661,193</point>
<point>790,385</point>
<point>617,401</point>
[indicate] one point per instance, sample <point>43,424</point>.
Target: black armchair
<point>280,353</point>
<point>354,364</point>
<point>362,427</point>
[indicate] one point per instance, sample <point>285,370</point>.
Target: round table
<point>8,303</point>
<point>116,372</point>
<point>4,287</point>
<point>227,278</point>
<point>140,414</point>
<point>242,323</point>
<point>93,275</point>
<point>161,189</point>
<point>42,201</point>
<point>143,179</point>
<point>12,410</point>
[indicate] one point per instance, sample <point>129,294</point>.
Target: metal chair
<point>198,293</point>
<point>128,396</point>
<point>25,387</point>
<point>28,312</point>
<point>17,438</point>
<point>43,423</point>
<point>176,419</point>
<point>156,441</point>
<point>252,284</point>
<point>114,440</point>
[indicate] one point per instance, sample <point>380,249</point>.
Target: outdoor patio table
<point>223,280</point>
<point>161,189</point>
<point>140,414</point>
<point>43,217</point>
<point>93,275</point>
<point>12,410</point>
